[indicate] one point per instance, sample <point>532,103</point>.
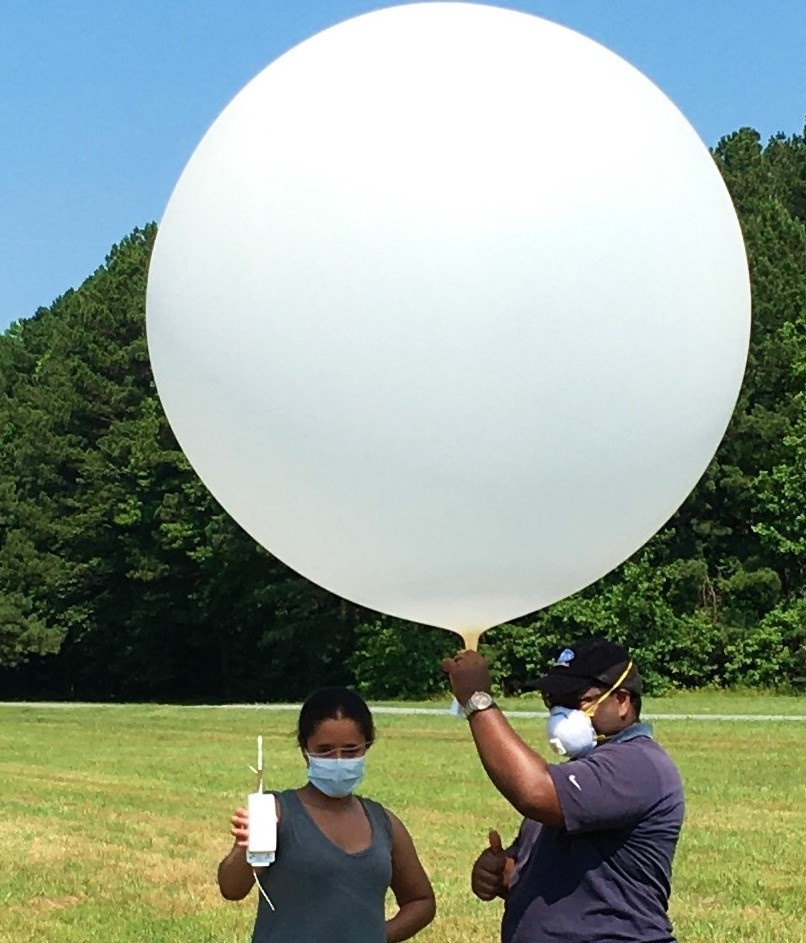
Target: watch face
<point>480,700</point>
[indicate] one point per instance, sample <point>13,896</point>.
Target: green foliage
<point>634,606</point>
<point>773,654</point>
<point>395,659</point>
<point>121,577</point>
<point>115,558</point>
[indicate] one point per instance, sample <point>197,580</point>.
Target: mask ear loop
<point>590,711</point>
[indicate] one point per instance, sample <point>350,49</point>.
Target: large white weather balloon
<point>449,310</point>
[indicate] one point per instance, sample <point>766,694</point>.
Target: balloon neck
<point>471,638</point>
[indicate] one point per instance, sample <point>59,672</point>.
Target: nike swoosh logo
<point>573,780</point>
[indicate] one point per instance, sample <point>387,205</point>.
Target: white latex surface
<point>450,310</point>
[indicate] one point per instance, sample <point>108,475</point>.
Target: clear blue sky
<point>102,103</point>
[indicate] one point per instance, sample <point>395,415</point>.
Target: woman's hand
<point>240,827</point>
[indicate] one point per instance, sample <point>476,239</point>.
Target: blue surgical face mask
<point>336,777</point>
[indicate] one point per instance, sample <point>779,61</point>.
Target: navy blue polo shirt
<point>605,876</point>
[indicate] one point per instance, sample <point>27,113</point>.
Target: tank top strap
<point>378,817</point>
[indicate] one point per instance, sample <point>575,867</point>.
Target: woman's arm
<point>410,885</point>
<point>235,875</point>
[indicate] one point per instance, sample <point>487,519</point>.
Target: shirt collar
<point>633,732</point>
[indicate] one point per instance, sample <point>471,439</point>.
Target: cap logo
<point>563,658</point>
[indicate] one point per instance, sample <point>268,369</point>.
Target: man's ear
<point>624,702</point>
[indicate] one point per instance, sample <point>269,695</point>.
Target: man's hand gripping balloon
<point>467,673</point>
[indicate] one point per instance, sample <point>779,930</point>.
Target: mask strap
<point>590,711</point>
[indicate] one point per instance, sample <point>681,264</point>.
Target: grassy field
<point>114,818</point>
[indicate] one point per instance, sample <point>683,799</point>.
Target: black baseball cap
<point>591,661</point>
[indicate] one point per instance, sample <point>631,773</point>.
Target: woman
<point>337,853</point>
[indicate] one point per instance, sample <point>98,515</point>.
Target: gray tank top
<point>321,893</point>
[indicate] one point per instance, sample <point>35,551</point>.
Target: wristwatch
<point>478,701</point>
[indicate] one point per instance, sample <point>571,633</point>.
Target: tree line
<point>122,579</point>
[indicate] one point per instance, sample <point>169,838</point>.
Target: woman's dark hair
<point>334,704</point>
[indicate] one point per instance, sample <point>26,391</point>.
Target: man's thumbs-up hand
<point>487,878</point>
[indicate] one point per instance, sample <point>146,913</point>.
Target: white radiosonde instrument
<point>262,847</point>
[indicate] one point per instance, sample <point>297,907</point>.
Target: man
<point>592,861</point>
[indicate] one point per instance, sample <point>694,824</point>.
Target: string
<point>260,888</point>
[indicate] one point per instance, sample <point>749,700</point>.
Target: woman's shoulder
<point>376,811</point>
<point>284,799</point>
<point>391,823</point>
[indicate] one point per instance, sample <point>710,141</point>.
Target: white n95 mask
<point>570,732</point>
